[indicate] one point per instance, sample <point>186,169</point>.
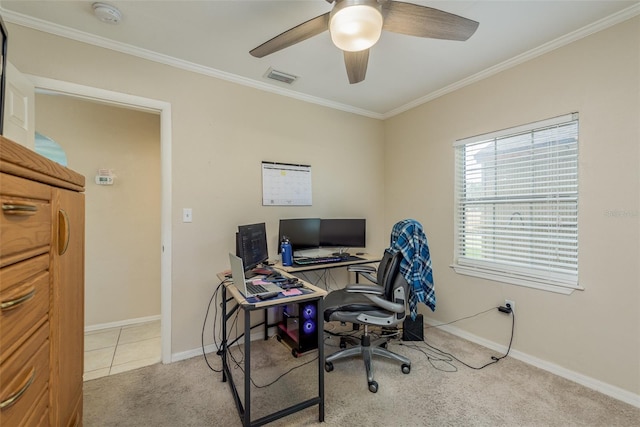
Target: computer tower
<point>298,327</point>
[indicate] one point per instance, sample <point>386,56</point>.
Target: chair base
<point>368,349</point>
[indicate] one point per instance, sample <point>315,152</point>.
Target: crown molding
<point>59,30</point>
<point>81,36</point>
<point>581,33</point>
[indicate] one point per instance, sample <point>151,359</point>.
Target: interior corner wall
<point>122,225</point>
<point>221,132</point>
<point>596,332</point>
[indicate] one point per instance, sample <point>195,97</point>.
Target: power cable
<point>443,356</point>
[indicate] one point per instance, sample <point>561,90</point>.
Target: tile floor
<point>115,350</point>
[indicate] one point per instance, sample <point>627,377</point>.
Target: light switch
<point>187,215</point>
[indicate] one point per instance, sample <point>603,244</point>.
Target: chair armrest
<point>367,271</point>
<point>386,304</point>
<point>364,288</point>
<point>374,293</point>
<point>362,268</point>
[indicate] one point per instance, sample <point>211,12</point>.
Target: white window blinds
<point>517,204</point>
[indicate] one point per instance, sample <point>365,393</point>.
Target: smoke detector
<point>107,13</point>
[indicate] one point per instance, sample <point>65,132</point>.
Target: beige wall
<point>220,134</point>
<point>595,332</point>
<point>122,256</point>
<point>400,168</point>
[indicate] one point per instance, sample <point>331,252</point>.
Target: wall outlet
<point>510,303</point>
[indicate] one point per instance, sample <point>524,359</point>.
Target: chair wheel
<point>373,387</point>
<point>328,366</point>
<point>343,343</point>
<point>295,353</point>
<point>384,344</point>
<point>406,368</point>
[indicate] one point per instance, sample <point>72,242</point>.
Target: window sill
<point>514,279</point>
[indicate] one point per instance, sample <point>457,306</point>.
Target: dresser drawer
<point>25,221</point>
<point>25,376</point>
<point>40,413</point>
<point>24,301</point>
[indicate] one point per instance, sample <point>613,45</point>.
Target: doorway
<point>49,86</point>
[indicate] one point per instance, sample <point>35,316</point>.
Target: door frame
<point>45,85</point>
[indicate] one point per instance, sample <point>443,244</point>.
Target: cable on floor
<point>239,366</point>
<point>229,346</point>
<point>447,358</point>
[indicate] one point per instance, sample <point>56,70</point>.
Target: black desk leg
<point>266,324</point>
<point>223,345</point>
<point>247,368</point>
<point>320,323</point>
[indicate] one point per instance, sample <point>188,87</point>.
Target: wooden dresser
<point>41,290</point>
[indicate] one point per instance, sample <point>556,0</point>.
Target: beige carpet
<point>435,393</point>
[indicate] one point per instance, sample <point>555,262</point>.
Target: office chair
<point>380,304</point>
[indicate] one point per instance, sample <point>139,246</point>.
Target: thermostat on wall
<point>105,177</point>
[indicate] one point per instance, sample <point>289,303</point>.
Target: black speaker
<point>412,330</point>
<point>299,327</point>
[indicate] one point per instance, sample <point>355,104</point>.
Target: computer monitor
<point>303,233</point>
<point>251,243</point>
<point>343,233</point>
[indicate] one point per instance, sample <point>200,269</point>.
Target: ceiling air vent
<point>280,76</point>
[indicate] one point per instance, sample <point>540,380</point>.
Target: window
<point>517,205</point>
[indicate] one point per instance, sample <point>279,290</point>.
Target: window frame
<point>565,279</point>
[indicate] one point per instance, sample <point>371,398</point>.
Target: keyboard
<point>318,260</point>
<point>252,288</point>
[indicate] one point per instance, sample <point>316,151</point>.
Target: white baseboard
<point>597,385</point>
<point>211,348</point>
<point>184,355</point>
<point>592,383</point>
<point>121,323</point>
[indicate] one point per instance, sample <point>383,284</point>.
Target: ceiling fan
<point>356,25</point>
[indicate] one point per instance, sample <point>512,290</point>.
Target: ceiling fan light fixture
<point>355,25</point>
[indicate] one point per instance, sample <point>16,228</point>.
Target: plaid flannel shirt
<point>408,237</point>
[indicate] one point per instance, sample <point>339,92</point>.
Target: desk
<point>240,302</point>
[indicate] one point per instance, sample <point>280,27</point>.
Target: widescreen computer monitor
<point>303,233</point>
<point>343,233</point>
<point>251,243</point>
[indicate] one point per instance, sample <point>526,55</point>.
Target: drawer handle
<point>63,232</point>
<point>13,399</point>
<point>14,303</point>
<point>19,208</point>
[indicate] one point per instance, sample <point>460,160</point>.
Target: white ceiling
<point>215,37</point>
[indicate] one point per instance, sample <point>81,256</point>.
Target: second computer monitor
<point>343,233</point>
<point>303,233</point>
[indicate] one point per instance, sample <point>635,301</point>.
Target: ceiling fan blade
<point>301,32</point>
<point>422,21</point>
<point>356,63</point>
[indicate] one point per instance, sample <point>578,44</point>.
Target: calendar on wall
<point>285,184</point>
